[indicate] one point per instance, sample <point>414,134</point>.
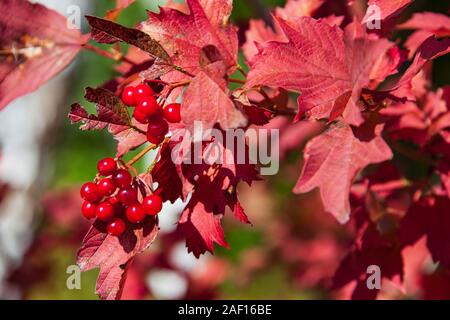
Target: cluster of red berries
<point>148,111</point>
<point>114,199</point>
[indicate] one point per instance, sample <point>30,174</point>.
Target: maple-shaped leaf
<point>387,8</point>
<point>205,101</point>
<point>327,66</point>
<point>36,44</point>
<point>200,225</point>
<point>213,188</point>
<point>185,35</point>
<point>105,31</point>
<point>110,111</point>
<point>331,162</point>
<point>260,32</point>
<point>113,255</point>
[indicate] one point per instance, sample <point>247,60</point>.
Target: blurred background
<point>291,251</point>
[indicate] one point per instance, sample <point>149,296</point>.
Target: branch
<point>116,57</point>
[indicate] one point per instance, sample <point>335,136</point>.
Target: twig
<point>116,57</point>
<point>237,81</point>
<point>241,70</point>
<point>141,154</point>
<point>137,129</point>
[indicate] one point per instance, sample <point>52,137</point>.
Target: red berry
<point>172,112</point>
<point>143,91</point>
<point>135,213</point>
<point>107,166</point>
<point>129,96</point>
<point>157,127</point>
<point>155,140</point>
<point>89,192</point>
<point>105,211</point>
<point>128,196</point>
<point>122,178</point>
<point>116,227</point>
<point>88,210</point>
<point>106,187</point>
<point>140,116</point>
<point>113,200</point>
<point>152,204</point>
<point>147,106</point>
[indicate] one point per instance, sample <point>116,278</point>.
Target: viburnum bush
<point>378,121</point>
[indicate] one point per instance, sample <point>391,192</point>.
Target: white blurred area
<point>25,129</point>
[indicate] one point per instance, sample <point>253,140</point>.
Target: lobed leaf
<point>327,66</point>
<point>113,255</point>
<point>331,162</point>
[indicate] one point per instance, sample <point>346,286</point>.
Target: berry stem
<point>241,70</point>
<point>180,69</point>
<point>173,86</point>
<point>237,81</point>
<point>137,129</point>
<point>143,153</point>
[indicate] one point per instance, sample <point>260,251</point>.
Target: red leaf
<point>128,138</point>
<point>430,21</point>
<point>105,31</point>
<point>40,47</point>
<point>332,161</point>
<point>322,63</point>
<point>430,217</point>
<point>185,35</point>
<point>110,111</point>
<point>429,50</point>
<point>205,101</point>
<point>427,24</point>
<point>165,173</point>
<point>239,213</point>
<point>113,255</point>
<point>200,226</point>
<point>298,8</point>
<point>388,8</point>
<point>213,189</point>
<point>259,32</point>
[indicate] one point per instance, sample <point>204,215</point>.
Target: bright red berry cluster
<point>148,111</point>
<point>113,198</point>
